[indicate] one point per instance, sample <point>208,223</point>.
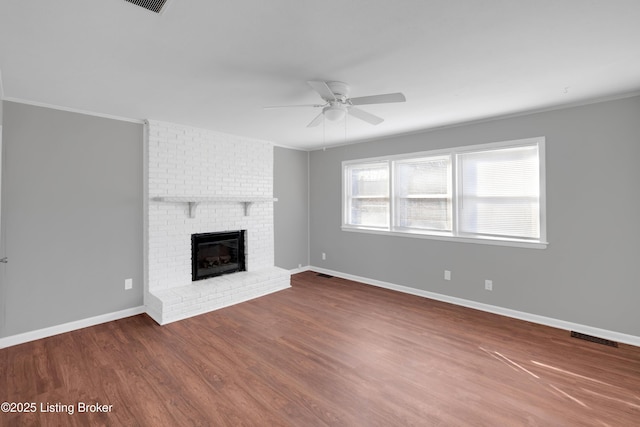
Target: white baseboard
<point>300,269</point>
<point>68,327</point>
<point>533,318</point>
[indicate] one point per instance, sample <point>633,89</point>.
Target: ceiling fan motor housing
<point>339,89</point>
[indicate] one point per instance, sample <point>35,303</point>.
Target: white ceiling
<point>215,64</point>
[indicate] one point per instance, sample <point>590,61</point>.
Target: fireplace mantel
<point>194,201</point>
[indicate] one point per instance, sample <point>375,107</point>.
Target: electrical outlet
<point>488,285</point>
<point>324,256</point>
<point>447,275</point>
<point>128,284</point>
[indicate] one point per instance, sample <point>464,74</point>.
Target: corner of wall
<point>145,211</point>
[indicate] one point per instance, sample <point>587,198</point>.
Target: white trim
<point>426,235</point>
<point>290,147</point>
<point>300,269</point>
<point>533,318</point>
<point>68,327</point>
<point>461,149</point>
<point>542,170</point>
<point>74,110</point>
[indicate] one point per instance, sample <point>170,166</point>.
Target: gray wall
<point>2,270</point>
<point>589,274</point>
<point>291,211</point>
<point>72,194</point>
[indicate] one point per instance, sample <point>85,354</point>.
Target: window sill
<point>448,238</point>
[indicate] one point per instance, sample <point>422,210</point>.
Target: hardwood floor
<point>325,352</point>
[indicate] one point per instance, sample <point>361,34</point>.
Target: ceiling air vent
<point>152,5</point>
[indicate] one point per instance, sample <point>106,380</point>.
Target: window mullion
<point>454,194</point>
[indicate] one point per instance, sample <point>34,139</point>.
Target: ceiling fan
<point>338,104</point>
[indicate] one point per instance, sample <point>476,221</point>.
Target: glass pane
<point>500,192</point>
<point>370,212</point>
<point>423,176</point>
<point>368,197</point>
<point>433,214</point>
<point>423,193</point>
<point>502,217</point>
<point>370,180</point>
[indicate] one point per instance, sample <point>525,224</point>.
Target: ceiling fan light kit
<point>334,112</point>
<point>338,104</point>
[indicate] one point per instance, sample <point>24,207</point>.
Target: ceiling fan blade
<point>316,121</point>
<point>323,89</point>
<point>378,99</point>
<point>271,107</point>
<point>367,117</point>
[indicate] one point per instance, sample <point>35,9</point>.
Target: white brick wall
<point>185,161</point>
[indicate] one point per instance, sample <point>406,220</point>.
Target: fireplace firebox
<point>214,254</point>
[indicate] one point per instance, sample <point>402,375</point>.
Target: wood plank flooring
<point>327,352</point>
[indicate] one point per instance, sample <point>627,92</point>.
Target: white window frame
<point>347,185</point>
<point>454,234</point>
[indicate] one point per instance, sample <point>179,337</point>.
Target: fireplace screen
<point>214,254</point>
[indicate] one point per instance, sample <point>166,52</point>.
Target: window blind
<point>368,194</point>
<point>499,192</point>
<point>423,193</point>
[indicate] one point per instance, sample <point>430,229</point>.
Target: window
<point>423,193</point>
<point>368,194</point>
<point>499,192</point>
<point>491,193</point>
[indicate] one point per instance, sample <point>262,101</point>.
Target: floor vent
<point>593,339</point>
<point>326,276</point>
<point>152,5</point>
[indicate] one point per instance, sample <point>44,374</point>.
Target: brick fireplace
<point>201,182</point>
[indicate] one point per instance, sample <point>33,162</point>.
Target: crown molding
<point>73,110</point>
